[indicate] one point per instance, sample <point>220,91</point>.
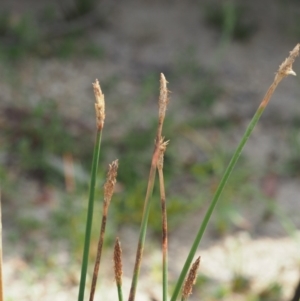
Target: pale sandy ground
<point>145,36</point>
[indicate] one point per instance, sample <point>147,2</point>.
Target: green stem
<point>214,201</point>
<point>120,294</point>
<point>89,220</point>
<point>142,234</point>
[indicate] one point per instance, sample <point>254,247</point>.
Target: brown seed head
<point>163,97</point>
<point>110,181</point>
<point>286,68</point>
<point>99,105</point>
<point>162,148</point>
<point>118,262</point>
<point>191,279</point>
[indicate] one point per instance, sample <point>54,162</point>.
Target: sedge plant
<point>163,101</point>
<point>188,273</point>
<point>284,70</point>
<point>100,117</point>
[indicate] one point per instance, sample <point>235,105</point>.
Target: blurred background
<point>219,58</point>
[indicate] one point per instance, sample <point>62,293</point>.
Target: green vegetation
<point>47,35</point>
<point>28,148</point>
<point>80,8</point>
<point>293,162</point>
<point>272,292</point>
<point>231,19</point>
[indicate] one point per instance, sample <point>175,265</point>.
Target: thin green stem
<point>143,228</point>
<point>214,201</point>
<point>284,70</point>
<point>120,294</point>
<point>89,220</point>
<point>163,101</point>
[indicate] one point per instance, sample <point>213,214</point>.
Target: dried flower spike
<point>162,148</point>
<point>191,279</point>
<point>163,97</point>
<point>110,181</point>
<point>99,105</point>
<point>118,262</point>
<point>286,68</point>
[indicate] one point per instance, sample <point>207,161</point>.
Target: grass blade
<point>100,115</point>
<point>284,70</point>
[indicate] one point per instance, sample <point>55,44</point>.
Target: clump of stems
<point>284,70</point>
<point>163,101</point>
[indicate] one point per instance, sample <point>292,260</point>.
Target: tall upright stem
<point>284,70</point>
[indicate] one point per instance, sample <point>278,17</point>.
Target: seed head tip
<point>191,279</point>
<point>111,181</point>
<point>99,105</point>
<point>163,97</point>
<point>118,262</point>
<point>286,68</point>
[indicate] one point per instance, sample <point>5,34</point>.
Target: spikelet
<point>162,148</point>
<point>163,97</point>
<point>191,279</point>
<point>118,262</point>
<point>286,68</point>
<point>99,105</point>
<point>110,183</point>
